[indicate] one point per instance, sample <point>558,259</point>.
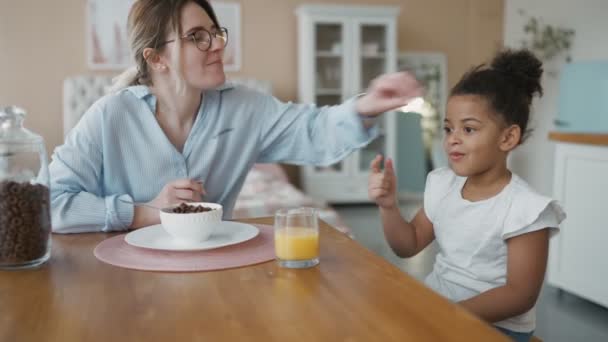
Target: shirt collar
<point>226,86</point>
<point>141,91</point>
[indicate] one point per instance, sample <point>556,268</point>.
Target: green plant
<point>547,41</point>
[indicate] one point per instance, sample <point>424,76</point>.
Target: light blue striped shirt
<point>119,151</point>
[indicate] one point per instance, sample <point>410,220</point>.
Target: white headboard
<point>80,92</point>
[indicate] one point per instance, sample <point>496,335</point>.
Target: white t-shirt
<point>472,236</point>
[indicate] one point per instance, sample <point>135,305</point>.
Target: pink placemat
<point>115,251</point>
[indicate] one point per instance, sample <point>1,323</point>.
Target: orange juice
<point>296,244</point>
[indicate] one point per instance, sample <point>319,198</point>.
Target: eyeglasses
<point>203,38</point>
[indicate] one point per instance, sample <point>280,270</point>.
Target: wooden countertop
<point>580,138</point>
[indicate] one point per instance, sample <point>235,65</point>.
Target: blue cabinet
<point>411,155</point>
<point>583,98</point>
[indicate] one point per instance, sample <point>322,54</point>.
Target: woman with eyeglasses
<point>173,131</point>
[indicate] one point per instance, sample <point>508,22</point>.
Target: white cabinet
<point>578,259</point>
<point>341,49</point>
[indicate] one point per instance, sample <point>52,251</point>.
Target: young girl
<point>492,227</point>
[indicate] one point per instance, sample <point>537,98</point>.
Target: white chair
<point>79,93</point>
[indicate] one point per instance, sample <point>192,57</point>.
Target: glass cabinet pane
<point>329,76</point>
<point>370,152</point>
<point>373,63</point>
<point>328,100</point>
<point>373,53</point>
<point>328,38</point>
<point>328,61</point>
<point>377,146</point>
<point>373,39</point>
<point>329,52</point>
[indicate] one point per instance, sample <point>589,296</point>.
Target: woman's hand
<point>181,190</point>
<point>382,186</point>
<point>387,92</point>
<point>177,191</point>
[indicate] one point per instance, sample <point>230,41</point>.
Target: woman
<point>178,133</point>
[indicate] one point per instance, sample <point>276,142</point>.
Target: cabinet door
<point>330,63</point>
<point>579,258</point>
<point>375,54</point>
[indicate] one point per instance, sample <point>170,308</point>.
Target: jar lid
<point>13,136</point>
<point>11,126</point>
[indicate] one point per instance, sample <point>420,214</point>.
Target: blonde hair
<point>149,23</point>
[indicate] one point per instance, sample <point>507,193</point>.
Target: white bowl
<point>191,227</point>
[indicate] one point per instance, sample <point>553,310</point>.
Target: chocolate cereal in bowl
<point>191,222</point>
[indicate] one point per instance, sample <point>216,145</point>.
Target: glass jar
<point>25,218</point>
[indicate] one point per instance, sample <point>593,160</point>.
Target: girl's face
<point>201,69</point>
<point>474,136</point>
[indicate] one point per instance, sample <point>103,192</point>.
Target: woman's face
<point>200,69</point>
<point>473,135</point>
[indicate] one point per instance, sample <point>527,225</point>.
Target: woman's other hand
<point>175,192</point>
<point>388,92</point>
<point>178,191</point>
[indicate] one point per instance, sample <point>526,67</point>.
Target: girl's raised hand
<point>382,185</point>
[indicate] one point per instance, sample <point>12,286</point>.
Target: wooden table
<point>353,295</point>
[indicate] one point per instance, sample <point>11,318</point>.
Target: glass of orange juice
<point>296,237</point>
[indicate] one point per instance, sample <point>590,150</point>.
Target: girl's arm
<point>406,239</point>
<point>526,265</point>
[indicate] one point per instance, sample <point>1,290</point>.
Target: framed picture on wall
<point>107,45</point>
<point>107,42</point>
<point>229,16</point>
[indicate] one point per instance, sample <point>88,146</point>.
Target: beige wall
<point>42,42</point>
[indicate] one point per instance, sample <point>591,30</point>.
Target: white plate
<point>225,234</point>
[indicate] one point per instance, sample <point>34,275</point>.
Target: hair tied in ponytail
<point>125,79</point>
